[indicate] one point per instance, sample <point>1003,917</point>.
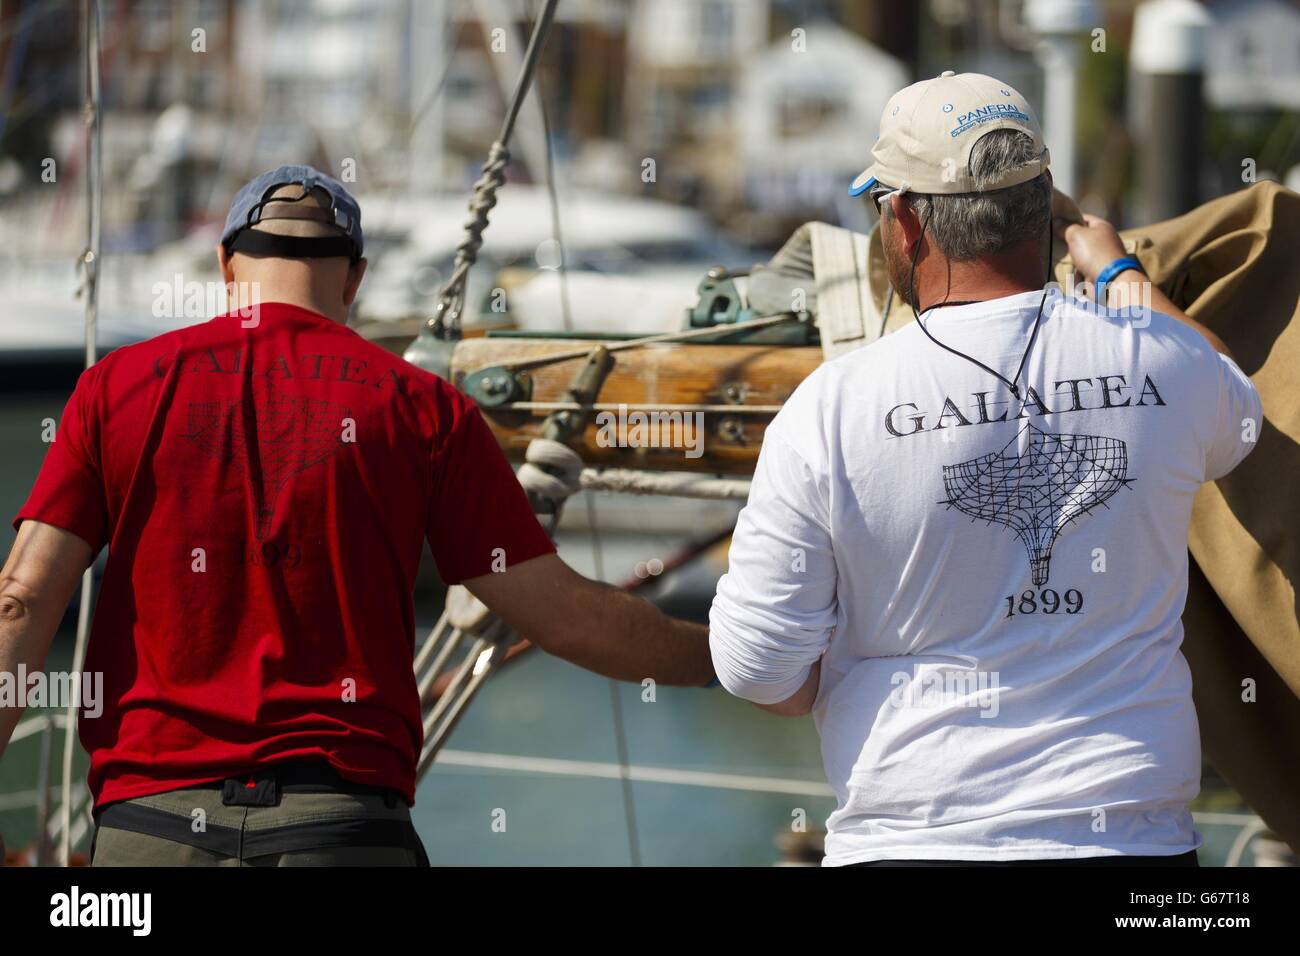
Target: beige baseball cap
<point>928,129</point>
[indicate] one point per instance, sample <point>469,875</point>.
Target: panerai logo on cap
<point>968,121</point>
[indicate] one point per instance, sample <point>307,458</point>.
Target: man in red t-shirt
<point>264,483</point>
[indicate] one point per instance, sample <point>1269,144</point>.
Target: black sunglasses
<point>876,195</point>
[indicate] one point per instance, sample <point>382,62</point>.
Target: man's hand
<point>597,626</point>
<point>1093,245</point>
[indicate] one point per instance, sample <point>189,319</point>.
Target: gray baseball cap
<point>251,201</point>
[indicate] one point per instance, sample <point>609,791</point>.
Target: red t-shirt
<point>264,493</point>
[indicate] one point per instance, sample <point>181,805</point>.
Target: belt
<point>261,788</point>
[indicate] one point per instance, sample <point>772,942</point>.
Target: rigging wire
<point>412,125</point>
<point>722,332</point>
<point>593,525</point>
<point>446,324</point>
<point>624,756</point>
<point>90,288</point>
<point>562,269</point>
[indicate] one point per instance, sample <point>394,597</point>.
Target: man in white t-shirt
<point>965,549</point>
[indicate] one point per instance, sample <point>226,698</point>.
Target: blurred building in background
<point>1254,55</point>
<point>753,112</point>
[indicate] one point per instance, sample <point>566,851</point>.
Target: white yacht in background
<point>42,327</point>
<point>632,264</point>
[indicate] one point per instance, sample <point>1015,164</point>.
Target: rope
<point>554,470</point>
<point>633,482</point>
<point>451,300</point>
<point>551,469</point>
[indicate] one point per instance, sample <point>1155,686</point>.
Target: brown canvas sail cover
<point>1233,264</point>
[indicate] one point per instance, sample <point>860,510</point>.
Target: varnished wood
<point>675,375</point>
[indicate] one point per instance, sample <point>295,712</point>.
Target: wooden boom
<point>702,407</point>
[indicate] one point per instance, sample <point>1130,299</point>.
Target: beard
<point>896,264</point>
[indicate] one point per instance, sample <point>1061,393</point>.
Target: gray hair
<point>971,225</point>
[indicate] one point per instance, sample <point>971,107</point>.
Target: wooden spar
<point>753,380</point>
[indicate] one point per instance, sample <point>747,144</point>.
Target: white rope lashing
<point>565,477</point>
<point>632,482</point>
<point>568,476</point>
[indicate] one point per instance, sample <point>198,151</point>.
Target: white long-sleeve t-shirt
<point>993,585</point>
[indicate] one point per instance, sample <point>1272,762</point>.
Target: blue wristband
<point>1111,271</point>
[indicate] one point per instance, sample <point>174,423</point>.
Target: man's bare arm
<point>36,584</point>
<point>596,626</point>
<point>1095,244</point>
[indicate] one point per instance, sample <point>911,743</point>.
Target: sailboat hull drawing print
<point>272,437</point>
<point>1035,493</point>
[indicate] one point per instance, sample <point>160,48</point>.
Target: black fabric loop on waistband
<point>255,242</point>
